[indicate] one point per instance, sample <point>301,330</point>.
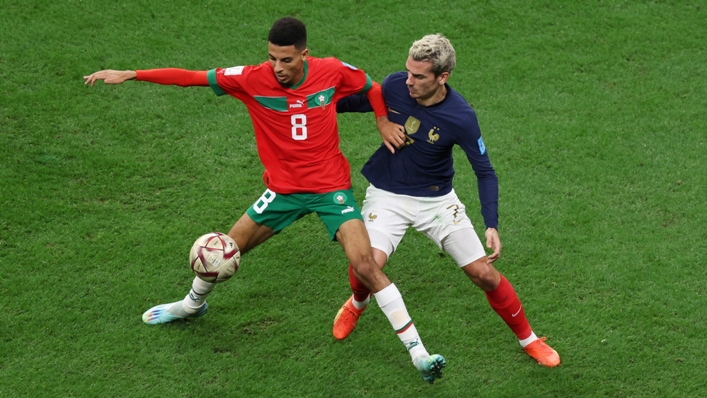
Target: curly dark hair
<point>288,31</point>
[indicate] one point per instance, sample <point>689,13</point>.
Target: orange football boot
<point>543,353</point>
<point>346,319</point>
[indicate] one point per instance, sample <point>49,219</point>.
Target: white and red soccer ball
<point>215,257</point>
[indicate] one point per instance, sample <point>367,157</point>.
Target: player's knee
<point>483,274</point>
<point>368,273</point>
<point>365,268</point>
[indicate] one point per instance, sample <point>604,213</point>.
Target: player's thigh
<point>387,216</point>
<point>464,246</point>
<point>277,211</point>
<point>334,209</point>
<point>439,217</point>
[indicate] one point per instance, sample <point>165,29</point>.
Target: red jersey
<point>295,127</point>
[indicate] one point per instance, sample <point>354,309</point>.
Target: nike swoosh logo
<point>393,111</point>
<point>517,312</point>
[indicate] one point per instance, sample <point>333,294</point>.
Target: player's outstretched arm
<point>493,242</point>
<point>110,76</point>
<point>167,76</point>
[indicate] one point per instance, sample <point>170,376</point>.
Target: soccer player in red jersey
<point>292,100</point>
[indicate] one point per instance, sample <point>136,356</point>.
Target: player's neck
<point>436,97</point>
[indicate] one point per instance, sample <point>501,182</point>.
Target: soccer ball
<point>215,257</point>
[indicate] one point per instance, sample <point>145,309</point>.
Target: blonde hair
<point>437,50</point>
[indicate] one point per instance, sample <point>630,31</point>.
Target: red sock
<point>505,302</point>
<point>360,291</point>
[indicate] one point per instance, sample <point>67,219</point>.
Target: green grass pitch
<point>594,115</point>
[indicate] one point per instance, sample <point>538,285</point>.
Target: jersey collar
<point>304,77</point>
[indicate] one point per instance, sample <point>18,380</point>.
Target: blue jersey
<point>424,165</point>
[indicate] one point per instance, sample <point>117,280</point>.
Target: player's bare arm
<point>110,76</point>
<point>393,134</point>
<point>493,242</point>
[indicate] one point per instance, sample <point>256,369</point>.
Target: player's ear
<point>443,77</point>
<point>305,52</point>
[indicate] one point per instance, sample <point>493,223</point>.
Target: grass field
<point>594,115</point>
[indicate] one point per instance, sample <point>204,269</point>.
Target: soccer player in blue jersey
<point>412,187</point>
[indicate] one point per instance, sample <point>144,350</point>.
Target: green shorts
<point>280,210</point>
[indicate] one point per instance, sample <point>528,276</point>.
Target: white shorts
<point>443,219</point>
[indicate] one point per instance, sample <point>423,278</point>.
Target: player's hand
<point>493,242</point>
<point>393,135</point>
<point>110,76</point>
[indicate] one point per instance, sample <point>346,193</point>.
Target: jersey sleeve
<point>228,80</point>
<point>388,86</point>
<point>173,76</point>
<point>473,145</point>
<point>354,103</point>
<point>372,101</point>
<point>352,80</point>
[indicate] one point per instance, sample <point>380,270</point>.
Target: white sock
<point>529,340</point>
<point>200,289</point>
<point>391,303</point>
<point>361,304</point>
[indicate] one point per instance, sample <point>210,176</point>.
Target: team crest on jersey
<point>432,135</point>
<point>349,66</point>
<point>482,147</point>
<point>236,70</point>
<point>340,198</point>
<point>321,98</point>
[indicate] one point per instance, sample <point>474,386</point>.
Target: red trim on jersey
<point>173,76</point>
<point>375,97</point>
